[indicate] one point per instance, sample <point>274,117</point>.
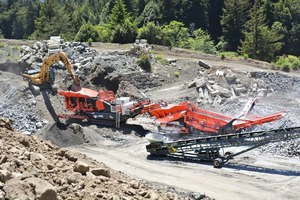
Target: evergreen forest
<point>258,29</point>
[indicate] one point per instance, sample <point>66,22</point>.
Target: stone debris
<point>140,46</point>
<point>31,168</point>
<point>222,84</point>
<point>99,69</point>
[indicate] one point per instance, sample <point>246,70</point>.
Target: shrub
<point>228,54</point>
<point>176,74</point>
<point>87,31</point>
<point>151,33</point>
<point>286,67</point>
<point>90,41</point>
<point>287,63</point>
<point>144,62</point>
<point>2,45</point>
<point>161,59</point>
<point>223,56</point>
<point>246,56</point>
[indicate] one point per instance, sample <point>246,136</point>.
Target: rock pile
<point>217,85</point>
<point>285,148</point>
<point>105,69</point>
<point>18,104</point>
<point>31,168</point>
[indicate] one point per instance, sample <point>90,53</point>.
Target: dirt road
<point>250,176</point>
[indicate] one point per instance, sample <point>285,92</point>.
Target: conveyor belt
<point>207,148</point>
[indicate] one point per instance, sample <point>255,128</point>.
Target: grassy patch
<point>161,59</point>
<point>287,63</point>
<point>16,48</point>
<point>2,45</point>
<point>228,54</point>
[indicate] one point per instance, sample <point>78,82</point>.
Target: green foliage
<point>260,41</point>
<point>105,33</point>
<point>273,28</point>
<point>201,41</point>
<point>288,63</point>
<point>90,40</point>
<point>233,22</point>
<point>151,33</point>
<point>17,19</point>
<point>86,32</point>
<point>287,14</point>
<point>174,33</point>
<point>125,33</point>
<point>223,56</point>
<point>246,56</point>
<point>151,13</point>
<point>52,20</point>
<point>15,48</point>
<point>177,74</point>
<point>120,23</point>
<point>161,59</point>
<point>228,54</point>
<point>118,14</point>
<point>144,62</point>
<point>2,45</point>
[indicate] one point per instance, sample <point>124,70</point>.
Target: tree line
<point>259,29</point>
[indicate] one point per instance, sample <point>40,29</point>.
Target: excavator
<point>43,78</point>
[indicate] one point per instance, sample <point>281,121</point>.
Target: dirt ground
<point>255,175</point>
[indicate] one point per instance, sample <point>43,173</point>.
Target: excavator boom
<point>44,77</point>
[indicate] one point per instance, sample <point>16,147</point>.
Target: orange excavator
<point>187,118</point>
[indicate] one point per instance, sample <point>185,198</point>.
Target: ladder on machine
<point>118,119</point>
<point>208,148</point>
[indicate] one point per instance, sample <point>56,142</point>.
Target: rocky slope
<point>31,168</point>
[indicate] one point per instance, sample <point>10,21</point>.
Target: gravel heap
<point>17,103</point>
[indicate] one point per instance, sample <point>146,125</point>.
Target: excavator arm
<point>43,77</point>
<point>69,66</point>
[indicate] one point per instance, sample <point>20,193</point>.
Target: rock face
<point>31,168</point>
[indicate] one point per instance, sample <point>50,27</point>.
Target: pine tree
<point>151,13</point>
<point>120,22</point>
<point>260,42</point>
<point>118,14</point>
<point>52,20</point>
<point>233,22</point>
<point>287,12</point>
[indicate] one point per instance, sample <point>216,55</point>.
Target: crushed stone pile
<point>18,104</point>
<point>31,168</point>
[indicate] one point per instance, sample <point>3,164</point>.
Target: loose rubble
<point>31,168</point>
